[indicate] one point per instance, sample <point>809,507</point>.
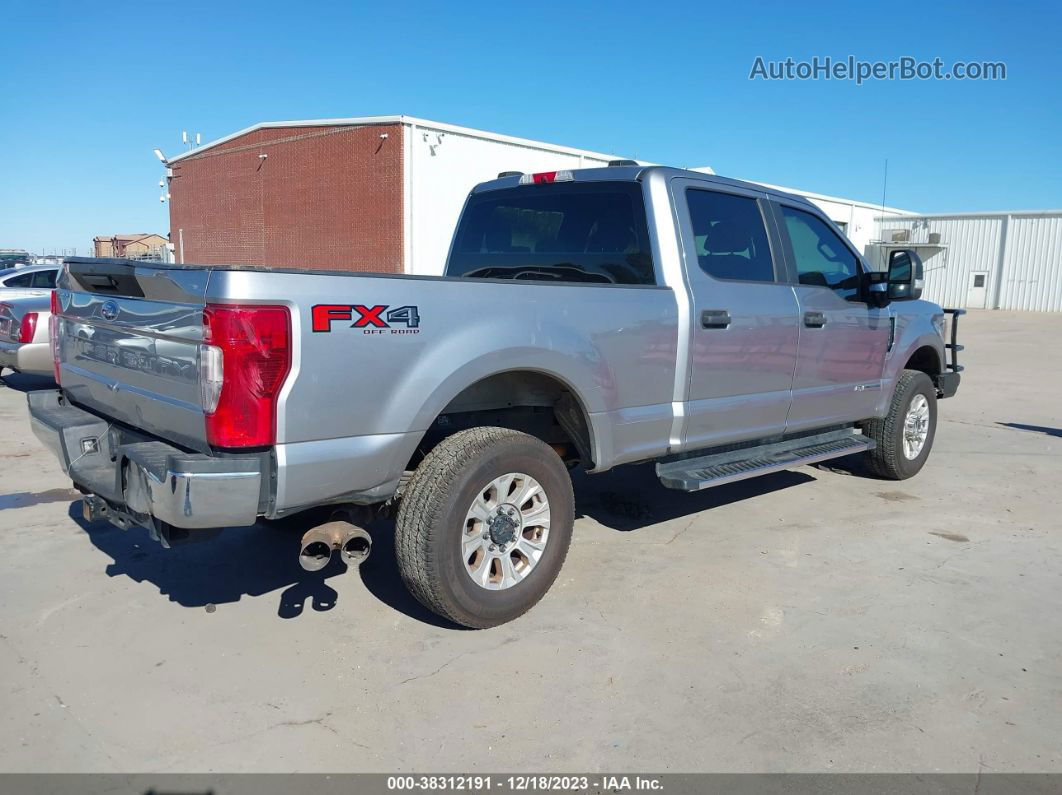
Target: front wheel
<point>484,526</point>
<point>904,436</point>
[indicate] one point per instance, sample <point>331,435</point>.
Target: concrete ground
<point>813,620</point>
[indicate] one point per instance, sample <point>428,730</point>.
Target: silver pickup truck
<point>586,318</point>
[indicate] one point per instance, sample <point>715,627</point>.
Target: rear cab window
<point>590,232</point>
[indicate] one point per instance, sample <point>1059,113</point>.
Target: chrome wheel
<point>506,531</point>
<point>915,427</point>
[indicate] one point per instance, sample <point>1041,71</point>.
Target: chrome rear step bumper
<point>143,479</point>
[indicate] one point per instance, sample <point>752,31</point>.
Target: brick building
<point>370,194</point>
<point>140,246</point>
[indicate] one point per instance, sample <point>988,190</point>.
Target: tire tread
<point>425,496</point>
<point>885,460</point>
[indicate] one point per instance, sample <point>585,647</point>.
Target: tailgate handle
<point>101,282</point>
<point>715,318</point>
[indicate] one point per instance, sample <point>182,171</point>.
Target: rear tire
<point>904,436</point>
<point>437,538</point>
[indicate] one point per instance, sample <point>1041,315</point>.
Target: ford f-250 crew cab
<point>589,318</point>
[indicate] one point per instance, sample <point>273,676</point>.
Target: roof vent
<point>510,174</point>
<point>613,163</point>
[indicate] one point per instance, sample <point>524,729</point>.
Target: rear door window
<point>730,237</point>
<point>560,232</point>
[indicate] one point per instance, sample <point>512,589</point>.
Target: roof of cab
<point>636,173</point>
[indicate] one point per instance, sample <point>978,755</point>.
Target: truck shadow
<point>625,499</point>
<point>259,560</point>
<point>630,498</point>
<point>250,561</point>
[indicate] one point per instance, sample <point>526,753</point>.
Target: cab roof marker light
<point>547,176</point>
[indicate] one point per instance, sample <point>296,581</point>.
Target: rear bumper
<point>31,357</point>
<point>142,479</point>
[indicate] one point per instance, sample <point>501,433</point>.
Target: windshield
<point>559,232</point>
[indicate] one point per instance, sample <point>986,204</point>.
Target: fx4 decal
<point>371,319</point>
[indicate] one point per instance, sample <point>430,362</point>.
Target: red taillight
<point>253,344</point>
<point>53,333</point>
<point>28,327</point>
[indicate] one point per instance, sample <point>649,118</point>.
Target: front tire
<point>904,436</point>
<point>484,526</point>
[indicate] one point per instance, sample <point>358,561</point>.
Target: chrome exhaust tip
<point>315,555</point>
<point>318,544</point>
<point>351,541</point>
<point>356,546</point>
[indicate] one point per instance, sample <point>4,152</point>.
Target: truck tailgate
<point>129,345</point>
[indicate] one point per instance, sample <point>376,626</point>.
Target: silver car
<point>24,345</point>
<point>33,280</point>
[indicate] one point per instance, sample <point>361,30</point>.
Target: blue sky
<point>88,89</point>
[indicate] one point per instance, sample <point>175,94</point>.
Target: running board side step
<point>694,474</point>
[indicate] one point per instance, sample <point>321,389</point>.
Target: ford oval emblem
<point>109,310</point>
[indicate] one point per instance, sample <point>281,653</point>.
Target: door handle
<point>814,319</point>
<point>715,318</point>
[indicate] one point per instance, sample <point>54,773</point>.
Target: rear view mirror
<point>905,275</point>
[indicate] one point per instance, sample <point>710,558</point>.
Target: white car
<point>32,280</point>
<point>24,345</point>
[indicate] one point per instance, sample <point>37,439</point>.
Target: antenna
<point>884,185</point>
<point>184,136</point>
<point>159,155</point>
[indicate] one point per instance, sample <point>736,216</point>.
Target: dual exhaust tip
<point>353,544</point>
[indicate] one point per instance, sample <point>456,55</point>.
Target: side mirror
<point>906,275</point>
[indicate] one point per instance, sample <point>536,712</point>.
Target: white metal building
<point>998,260</point>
